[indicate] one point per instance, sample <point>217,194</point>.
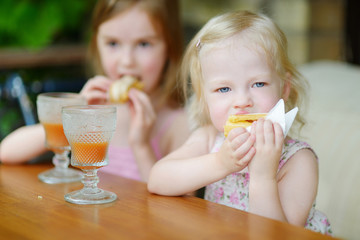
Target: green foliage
<point>38,23</point>
<point>35,24</point>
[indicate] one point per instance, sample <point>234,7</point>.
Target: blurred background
<point>43,48</point>
<point>43,43</point>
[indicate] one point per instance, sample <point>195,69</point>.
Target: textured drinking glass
<point>49,107</point>
<point>89,130</point>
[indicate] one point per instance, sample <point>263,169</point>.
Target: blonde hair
<point>165,17</point>
<point>262,32</point>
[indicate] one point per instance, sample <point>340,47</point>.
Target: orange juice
<point>55,136</point>
<point>89,153</point>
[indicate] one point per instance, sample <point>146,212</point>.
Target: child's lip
<point>131,75</point>
<point>241,113</point>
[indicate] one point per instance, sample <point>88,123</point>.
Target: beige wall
<point>314,27</point>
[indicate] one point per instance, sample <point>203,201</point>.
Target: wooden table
<point>31,209</point>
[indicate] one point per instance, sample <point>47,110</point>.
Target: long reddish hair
<point>165,17</point>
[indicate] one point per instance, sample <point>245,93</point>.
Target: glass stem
<point>90,181</point>
<point>61,160</point>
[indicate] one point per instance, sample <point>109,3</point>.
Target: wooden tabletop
<point>31,209</point>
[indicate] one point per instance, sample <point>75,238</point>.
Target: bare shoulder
<point>303,162</point>
<point>304,157</point>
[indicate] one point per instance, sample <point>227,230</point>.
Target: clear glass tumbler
<point>89,130</point>
<point>49,107</point>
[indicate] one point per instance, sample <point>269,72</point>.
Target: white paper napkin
<point>277,114</point>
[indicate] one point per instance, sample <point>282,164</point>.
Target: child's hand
<point>143,118</point>
<point>237,150</point>
<point>268,145</point>
<point>96,89</point>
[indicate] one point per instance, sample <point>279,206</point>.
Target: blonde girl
<point>238,64</point>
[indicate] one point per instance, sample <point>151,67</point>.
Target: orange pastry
<point>243,120</point>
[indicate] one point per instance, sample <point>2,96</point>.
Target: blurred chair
<point>15,89</point>
<point>333,131</point>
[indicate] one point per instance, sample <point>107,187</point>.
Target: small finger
<point>236,132</point>
<point>260,131</point>
<point>245,147</point>
<point>268,132</point>
<point>244,161</point>
<point>279,135</point>
<point>241,141</point>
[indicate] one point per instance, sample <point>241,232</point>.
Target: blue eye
<point>259,84</point>
<point>224,89</point>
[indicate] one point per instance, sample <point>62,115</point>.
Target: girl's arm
<point>297,183</point>
<point>288,195</point>
<point>143,119</point>
<point>192,166</point>
<point>23,144</point>
<point>264,197</point>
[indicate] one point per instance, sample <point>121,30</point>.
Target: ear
<point>287,86</point>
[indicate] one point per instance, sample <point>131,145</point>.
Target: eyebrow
<point>261,76</point>
<point>149,36</point>
<point>219,81</point>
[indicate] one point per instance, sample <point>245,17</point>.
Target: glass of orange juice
<point>89,130</point>
<point>49,107</point>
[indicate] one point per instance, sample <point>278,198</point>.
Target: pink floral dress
<point>233,190</point>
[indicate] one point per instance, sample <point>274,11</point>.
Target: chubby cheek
<point>267,104</point>
<point>151,74</point>
<point>218,114</point>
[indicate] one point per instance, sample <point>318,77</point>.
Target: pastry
<point>243,120</point>
<point>119,89</point>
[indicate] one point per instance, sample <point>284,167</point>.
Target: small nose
<point>242,100</point>
<point>126,57</point>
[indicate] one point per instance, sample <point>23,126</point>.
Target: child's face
<point>129,45</point>
<point>238,80</point>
